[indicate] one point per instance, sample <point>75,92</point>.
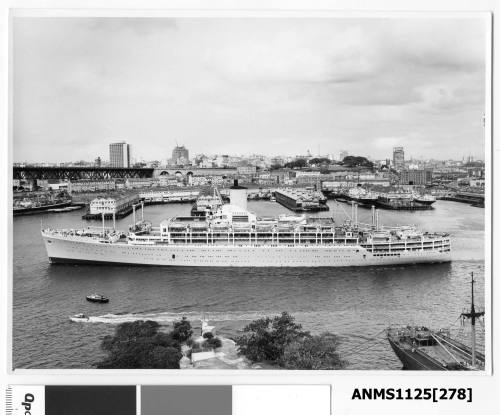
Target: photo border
<point>225,376</point>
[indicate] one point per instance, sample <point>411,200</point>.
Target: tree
<point>315,353</point>
<point>282,341</point>
<point>296,164</point>
<point>212,343</point>
<point>266,338</point>
<point>357,161</point>
<point>256,343</point>
<point>140,345</point>
<point>318,161</point>
<point>182,330</point>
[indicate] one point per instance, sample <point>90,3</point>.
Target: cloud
<point>249,85</point>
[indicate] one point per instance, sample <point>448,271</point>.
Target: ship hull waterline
<point>63,250</point>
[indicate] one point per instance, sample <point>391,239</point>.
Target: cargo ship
<point>420,348</point>
<point>394,200</point>
<point>362,196</point>
<point>233,236</point>
<point>404,201</point>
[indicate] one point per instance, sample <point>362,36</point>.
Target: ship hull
<point>83,250</point>
<point>40,209</point>
<point>425,202</point>
<point>413,360</point>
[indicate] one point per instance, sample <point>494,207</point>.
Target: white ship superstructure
<point>233,236</point>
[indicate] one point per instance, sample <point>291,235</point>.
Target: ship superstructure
<point>233,236</point>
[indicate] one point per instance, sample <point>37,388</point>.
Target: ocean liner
<point>233,236</point>
<point>420,348</point>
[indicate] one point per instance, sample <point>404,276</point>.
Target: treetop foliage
<point>182,330</point>
<point>296,164</point>
<point>357,161</point>
<point>140,345</point>
<point>282,341</point>
<point>266,338</point>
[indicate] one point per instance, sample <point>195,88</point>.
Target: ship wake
<point>169,317</point>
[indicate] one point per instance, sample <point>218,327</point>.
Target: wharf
<point>299,200</point>
<point>474,199</point>
<point>165,201</point>
<point>162,197</point>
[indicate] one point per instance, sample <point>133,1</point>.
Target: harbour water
<point>355,303</point>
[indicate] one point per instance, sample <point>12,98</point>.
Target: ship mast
<point>473,314</point>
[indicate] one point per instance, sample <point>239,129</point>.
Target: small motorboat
<point>79,317</point>
<point>97,298</point>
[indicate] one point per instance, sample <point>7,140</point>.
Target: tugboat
<point>420,348</point>
<point>79,318</point>
<point>97,298</point>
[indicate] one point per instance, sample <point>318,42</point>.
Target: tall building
<point>398,158</point>
<point>119,154</point>
<point>180,155</point>
<point>418,177</point>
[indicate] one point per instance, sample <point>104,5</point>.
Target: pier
<point>473,198</point>
<point>111,208</point>
<point>160,197</point>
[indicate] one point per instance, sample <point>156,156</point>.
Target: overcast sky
<point>241,86</point>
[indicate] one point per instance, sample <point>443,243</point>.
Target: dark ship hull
<point>424,201</point>
<point>367,201</point>
<point>414,359</point>
<point>42,208</point>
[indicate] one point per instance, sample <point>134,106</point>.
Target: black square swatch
<point>90,400</point>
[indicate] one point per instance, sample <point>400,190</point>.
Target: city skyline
<point>272,86</point>
<point>337,157</point>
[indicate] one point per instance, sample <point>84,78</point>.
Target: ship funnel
<point>238,195</point>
